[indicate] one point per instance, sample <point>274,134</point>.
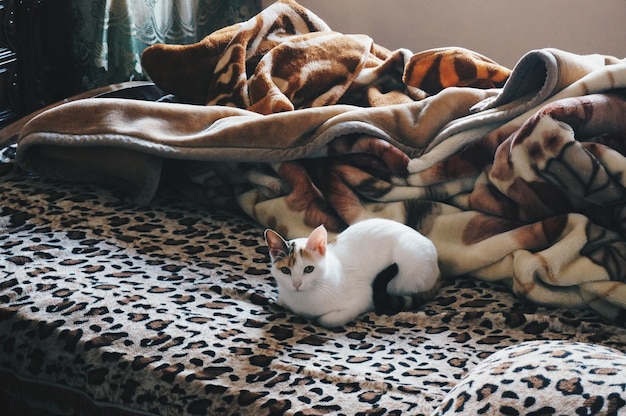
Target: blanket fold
<point>516,176</point>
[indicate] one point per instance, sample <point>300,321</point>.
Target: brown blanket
<point>522,183</point>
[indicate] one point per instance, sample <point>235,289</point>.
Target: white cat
<point>371,265</point>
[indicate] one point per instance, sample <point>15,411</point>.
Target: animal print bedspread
<point>516,176</point>
<point>107,308</point>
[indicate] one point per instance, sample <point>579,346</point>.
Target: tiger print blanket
<point>517,176</point>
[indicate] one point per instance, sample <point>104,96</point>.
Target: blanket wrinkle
<point>287,58</point>
<point>589,73</point>
<point>436,69</point>
<point>516,176</point>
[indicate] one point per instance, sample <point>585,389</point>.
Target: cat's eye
<point>309,269</point>
<point>285,270</point>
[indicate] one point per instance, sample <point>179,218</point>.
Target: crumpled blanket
<point>517,176</point>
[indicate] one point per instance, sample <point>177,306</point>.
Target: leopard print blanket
<point>113,309</point>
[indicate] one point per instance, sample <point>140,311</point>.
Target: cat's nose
<point>297,284</point>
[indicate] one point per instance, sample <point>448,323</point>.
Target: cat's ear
<point>317,240</point>
<point>276,244</point>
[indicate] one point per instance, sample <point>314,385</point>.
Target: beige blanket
<point>521,182</point>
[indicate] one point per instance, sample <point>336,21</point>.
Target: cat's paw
<point>403,286</point>
<point>281,303</point>
<point>335,319</point>
<point>418,297</point>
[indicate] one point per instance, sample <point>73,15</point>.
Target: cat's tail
<point>387,304</point>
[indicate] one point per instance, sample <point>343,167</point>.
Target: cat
<point>375,264</point>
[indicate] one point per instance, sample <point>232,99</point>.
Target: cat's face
<point>297,264</point>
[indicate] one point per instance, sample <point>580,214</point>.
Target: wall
<point>502,30</point>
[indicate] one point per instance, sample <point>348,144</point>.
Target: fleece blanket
<point>516,175</point>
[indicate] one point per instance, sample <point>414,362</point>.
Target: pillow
<point>543,378</point>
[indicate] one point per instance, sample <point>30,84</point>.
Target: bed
<point>135,279</point>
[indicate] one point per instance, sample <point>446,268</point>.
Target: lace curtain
<point>107,37</point>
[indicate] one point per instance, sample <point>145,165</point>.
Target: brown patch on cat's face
<point>290,259</point>
<point>286,261</point>
<point>306,255</point>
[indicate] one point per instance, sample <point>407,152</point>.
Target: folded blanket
<point>287,58</point>
<point>521,182</point>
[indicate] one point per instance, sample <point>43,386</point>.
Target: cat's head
<point>298,264</point>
